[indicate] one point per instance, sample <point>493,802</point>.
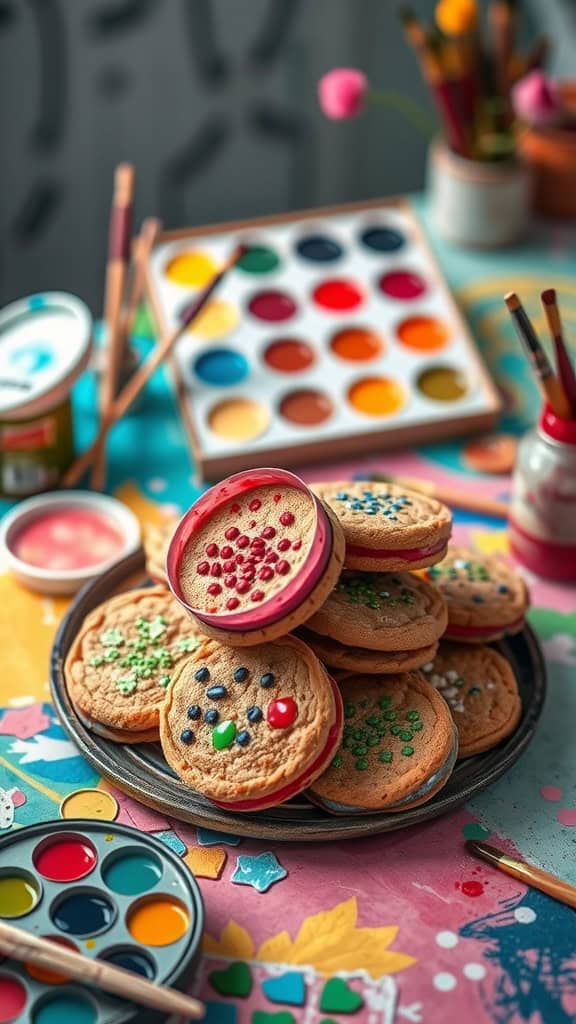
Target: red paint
<point>282,712</point>
<point>272,306</point>
<point>543,557</point>
<point>68,539</point>
<point>65,860</point>
<point>402,284</point>
<point>472,888</point>
<point>338,295</point>
<point>567,816</point>
<point>12,998</point>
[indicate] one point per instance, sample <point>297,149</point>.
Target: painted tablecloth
<point>405,927</point>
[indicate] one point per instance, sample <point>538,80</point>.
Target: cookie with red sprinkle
<point>255,557</point>
<point>387,527</point>
<point>251,728</point>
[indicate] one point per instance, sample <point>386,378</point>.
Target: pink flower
<point>535,100</point>
<point>342,93</point>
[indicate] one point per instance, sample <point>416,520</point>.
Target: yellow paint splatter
<point>206,862</point>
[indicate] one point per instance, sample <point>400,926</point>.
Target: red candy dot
<point>214,589</point>
<point>229,566</point>
<point>284,544</point>
<point>231,533</point>
<point>243,586</point>
<point>203,568</point>
<point>248,572</point>
<point>252,524</point>
<point>254,505</point>
<point>257,595</point>
<point>235,508</point>
<point>297,545</point>
<point>268,532</point>
<point>281,713</point>
<point>271,557</point>
<point>287,518</point>
<point>216,569</point>
<point>266,573</point>
<point>232,603</point>
<point>243,541</point>
<point>257,543</point>
<point>283,567</point>
<point>226,551</point>
<point>277,498</point>
<point>239,558</point>
<point>212,550</point>
<point>230,581</point>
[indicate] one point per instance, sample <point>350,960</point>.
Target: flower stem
<point>404,105</point>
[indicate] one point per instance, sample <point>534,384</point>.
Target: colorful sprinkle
<point>254,714</point>
<point>223,735</point>
<point>216,692</point>
<point>211,716</point>
<point>187,736</point>
<point>267,680</point>
<point>243,738</point>
<point>202,675</point>
<point>281,713</point>
<point>240,674</point>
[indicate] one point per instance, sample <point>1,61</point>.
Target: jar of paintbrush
<point>542,520</point>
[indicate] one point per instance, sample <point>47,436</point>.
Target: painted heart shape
<point>234,980</point>
<point>261,1017</point>
<point>337,997</point>
<point>287,988</point>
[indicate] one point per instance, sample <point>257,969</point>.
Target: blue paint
<point>260,872</point>
<point>289,988</point>
<point>31,359</point>
<point>132,873</point>
<point>211,837</point>
<point>131,960</point>
<point>65,1008</point>
<point>319,249</point>
<point>36,302</point>
<point>221,367</point>
<point>382,239</point>
<point>171,840</point>
<point>220,1013</point>
<point>83,914</point>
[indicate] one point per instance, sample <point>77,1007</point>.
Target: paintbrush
<point>548,382</point>
<point>141,252</point>
<point>140,378</point>
<point>30,949</point>
<point>448,495</point>
<point>459,25</point>
<point>524,872</point>
<point>502,23</point>
<point>563,361</point>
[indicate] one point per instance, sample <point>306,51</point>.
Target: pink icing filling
<point>483,630</point>
<point>68,538</point>
<point>281,795</point>
<point>410,554</point>
<point>294,593</point>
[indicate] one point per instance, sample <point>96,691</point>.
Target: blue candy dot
<point>221,367</point>
<point>243,738</point>
<point>211,716</point>
<point>216,692</point>
<point>254,714</point>
<point>202,675</point>
<point>240,674</point>
<point>194,711</point>
<point>187,736</point>
<point>267,679</point>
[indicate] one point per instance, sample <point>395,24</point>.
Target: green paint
<point>234,980</point>
<point>474,830</point>
<point>258,259</point>
<point>223,735</point>
<point>338,997</point>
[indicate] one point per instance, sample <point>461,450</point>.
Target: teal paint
<point>221,367</point>
<point>132,873</point>
<point>65,1008</point>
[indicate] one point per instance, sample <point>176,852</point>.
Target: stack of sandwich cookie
<point>157,539</point>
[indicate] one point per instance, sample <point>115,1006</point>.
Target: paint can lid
<point>45,343</point>
<point>557,428</point>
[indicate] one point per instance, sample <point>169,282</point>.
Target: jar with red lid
<point>542,522</point>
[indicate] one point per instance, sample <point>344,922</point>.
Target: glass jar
<point>542,522</point>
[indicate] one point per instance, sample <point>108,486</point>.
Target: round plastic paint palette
<point>109,892</point>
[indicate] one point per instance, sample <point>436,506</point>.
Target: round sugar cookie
<point>255,557</point>
<point>481,691</point>
<point>121,662</point>
<point>358,659</point>
<point>387,527</point>
<point>251,728</point>
<point>157,539</point>
<point>485,597</point>
<point>398,748</point>
<point>394,611</point>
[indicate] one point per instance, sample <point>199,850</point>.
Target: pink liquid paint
<point>67,539</point>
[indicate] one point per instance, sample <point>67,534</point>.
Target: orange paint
<point>376,396</point>
<point>158,922</point>
<point>43,973</point>
<point>356,344</point>
<point>423,333</point>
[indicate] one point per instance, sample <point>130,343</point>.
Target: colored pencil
<point>31,949</point>
<point>547,380</point>
<point>519,869</point>
<point>563,361</point>
<point>141,251</point>
<point>449,495</point>
<point>502,23</point>
<point>140,378</point>
<point>462,48</point>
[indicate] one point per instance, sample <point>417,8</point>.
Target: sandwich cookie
<point>157,539</point>
<point>255,557</point>
<point>249,729</point>
<point>122,660</point>
<point>482,694</point>
<point>347,659</point>
<point>398,747</point>
<point>485,597</point>
<point>387,527</point>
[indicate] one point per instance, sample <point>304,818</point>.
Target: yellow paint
<point>206,861</point>
<point>490,542</point>
<point>216,320</point>
<point>18,896</point>
<point>191,269</point>
<point>376,396</point>
<point>443,384</point>
<point>158,922</point>
<point>95,804</point>
<point>238,419</point>
<point>91,944</point>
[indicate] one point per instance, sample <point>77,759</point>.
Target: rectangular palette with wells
<point>107,892</point>
<point>336,332</point>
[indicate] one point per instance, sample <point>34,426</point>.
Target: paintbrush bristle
<point>124,184</point>
<point>549,297</point>
<point>512,301</point>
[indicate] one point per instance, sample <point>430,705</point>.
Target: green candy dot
<point>385,756</point>
<point>417,727</point>
<point>373,720</point>
<point>405,735</point>
<point>361,764</point>
<point>364,703</point>
<point>348,742</point>
<point>390,715</point>
<point>112,638</point>
<point>223,735</point>
<point>395,730</point>
<point>372,741</point>
<point>360,750</point>
<point>336,761</point>
<point>384,702</point>
<point>407,751</point>
<point>97,660</point>
<point>413,716</point>
<point>349,710</point>
<point>163,681</point>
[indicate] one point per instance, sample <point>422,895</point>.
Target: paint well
<point>216,320</point>
<point>12,998</point>
<point>376,396</point>
<point>238,419</point>
<point>306,407</point>
<point>443,384</point>
<point>338,295</point>
<point>356,344</point>
<point>273,306</point>
<point>289,355</point>
<point>259,259</point>
<point>193,269</point>
<point>319,249</point>
<point>131,960</point>
<point>83,912</point>
<point>68,538</point>
<point>65,858</point>
<point>158,922</point>
<point>423,333</point>
<point>19,893</point>
<point>49,977</point>
<point>382,239</point>
<point>65,1008</point>
<point>402,284</point>
<point>95,804</point>
<point>131,872</point>
<point>221,367</point>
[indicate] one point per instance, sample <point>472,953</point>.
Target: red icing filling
<point>68,538</point>
<point>483,630</point>
<point>410,554</point>
<point>295,787</point>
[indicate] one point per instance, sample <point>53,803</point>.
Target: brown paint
<point>289,355</point>
<point>306,407</point>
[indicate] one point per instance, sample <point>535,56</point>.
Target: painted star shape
<point>260,872</point>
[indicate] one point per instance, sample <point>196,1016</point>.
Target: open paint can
<point>45,345</point>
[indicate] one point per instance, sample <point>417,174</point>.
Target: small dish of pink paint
<point>55,543</point>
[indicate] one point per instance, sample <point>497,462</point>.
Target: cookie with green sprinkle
<point>398,749</point>
<point>121,662</point>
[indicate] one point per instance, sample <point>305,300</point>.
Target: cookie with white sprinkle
<point>481,691</point>
<point>387,527</point>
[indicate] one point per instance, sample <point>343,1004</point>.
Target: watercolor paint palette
<point>107,892</point>
<point>335,332</point>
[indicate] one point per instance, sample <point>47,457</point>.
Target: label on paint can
<point>35,453</point>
